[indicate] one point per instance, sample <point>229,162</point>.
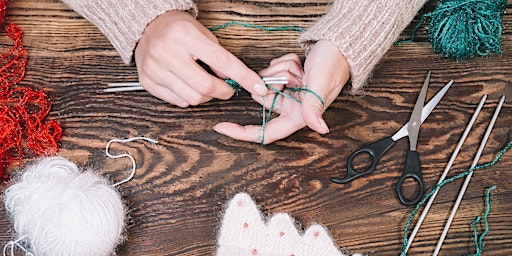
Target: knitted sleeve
<point>363,30</point>
<point>123,21</point>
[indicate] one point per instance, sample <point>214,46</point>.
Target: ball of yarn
<point>58,210</point>
<point>465,28</point>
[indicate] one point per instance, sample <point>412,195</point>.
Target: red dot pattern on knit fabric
<point>240,203</point>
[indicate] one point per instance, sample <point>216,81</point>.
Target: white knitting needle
<point>134,86</point>
<point>468,178</point>
<point>446,170</point>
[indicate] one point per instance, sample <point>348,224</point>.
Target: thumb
<point>313,107</point>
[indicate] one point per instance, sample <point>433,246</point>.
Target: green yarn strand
<point>479,239</point>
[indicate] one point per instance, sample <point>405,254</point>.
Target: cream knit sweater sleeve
<point>363,30</point>
<point>123,21</point>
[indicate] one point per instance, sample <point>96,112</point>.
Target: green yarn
<point>479,245</point>
<point>248,25</point>
<point>463,29</point>
<point>236,86</point>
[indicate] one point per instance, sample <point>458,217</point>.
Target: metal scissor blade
<point>413,127</point>
<point>427,109</point>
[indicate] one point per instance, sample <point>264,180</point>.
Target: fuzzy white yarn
<point>58,210</point>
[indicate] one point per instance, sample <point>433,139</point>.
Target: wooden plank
<point>177,197</point>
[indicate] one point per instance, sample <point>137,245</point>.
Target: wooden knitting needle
<point>446,170</point>
<point>468,178</point>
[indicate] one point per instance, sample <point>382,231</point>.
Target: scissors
<point>411,129</point>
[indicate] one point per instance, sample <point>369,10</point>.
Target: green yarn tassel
<point>463,29</point>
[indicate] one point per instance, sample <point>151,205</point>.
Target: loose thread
<point>479,244</point>
<point>441,184</point>
<point>134,166</point>
<point>16,243</point>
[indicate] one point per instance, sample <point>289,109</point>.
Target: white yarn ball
<point>58,210</point>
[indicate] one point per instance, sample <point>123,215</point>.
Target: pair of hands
<point>180,80</point>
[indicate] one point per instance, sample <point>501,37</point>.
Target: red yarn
<point>22,110</point>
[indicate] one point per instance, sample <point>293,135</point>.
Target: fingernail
<point>260,89</point>
<point>322,123</point>
<point>215,128</point>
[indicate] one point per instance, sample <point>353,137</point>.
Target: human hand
<point>325,73</point>
<point>166,57</point>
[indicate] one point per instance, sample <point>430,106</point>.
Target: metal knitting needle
<point>134,86</point>
<point>468,178</point>
<point>446,170</point>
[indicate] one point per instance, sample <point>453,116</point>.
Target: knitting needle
<point>468,178</point>
<point>446,170</point>
<point>134,86</point>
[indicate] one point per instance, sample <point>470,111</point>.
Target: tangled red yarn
<point>22,110</point>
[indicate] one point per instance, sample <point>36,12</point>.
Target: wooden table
<point>177,196</point>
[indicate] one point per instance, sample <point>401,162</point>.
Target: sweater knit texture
<point>124,21</point>
<point>363,30</point>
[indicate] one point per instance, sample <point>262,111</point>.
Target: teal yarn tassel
<point>463,29</point>
<point>479,245</point>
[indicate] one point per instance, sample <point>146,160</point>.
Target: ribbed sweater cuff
<point>363,31</point>
<point>123,21</point>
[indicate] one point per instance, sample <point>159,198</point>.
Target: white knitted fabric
<point>245,232</point>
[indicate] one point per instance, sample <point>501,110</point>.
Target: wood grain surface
<point>182,184</point>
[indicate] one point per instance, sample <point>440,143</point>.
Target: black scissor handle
<point>412,171</point>
<point>376,150</point>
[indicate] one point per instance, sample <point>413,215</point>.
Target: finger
<point>290,56</point>
<point>169,83</point>
<point>290,66</point>
<point>197,79</point>
<point>312,110</point>
<point>222,60</point>
<point>272,102</point>
<point>314,102</point>
<point>164,93</point>
<point>281,127</point>
<point>278,128</point>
